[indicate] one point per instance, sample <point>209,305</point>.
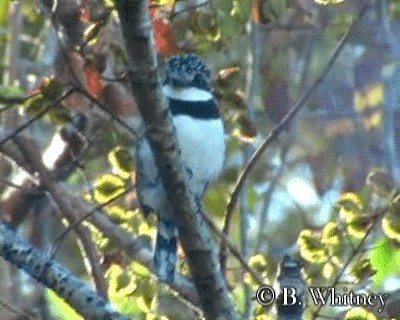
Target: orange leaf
<point>85,14</point>
<point>163,34</point>
<point>93,80</point>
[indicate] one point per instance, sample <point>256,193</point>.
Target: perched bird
<point>200,134</point>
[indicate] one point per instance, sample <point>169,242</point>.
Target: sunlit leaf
<point>359,313</point>
<point>146,295</point>
<point>51,88</point>
<point>350,201</point>
<point>259,264</point>
<point>385,259</point>
<point>331,233</point>
<point>363,270</point>
<point>60,115</point>
<point>245,128</point>
<point>263,317</point>
<point>59,308</point>
<point>328,270</point>
<point>121,287</point>
<point>107,187</point>
<point>358,225</point>
<point>11,94</point>
<point>122,162</point>
<point>391,226</point>
<point>36,104</point>
<point>328,2</point>
<point>3,11</point>
<point>139,270</point>
<point>350,205</point>
<point>311,247</point>
<point>375,94</point>
<point>239,297</point>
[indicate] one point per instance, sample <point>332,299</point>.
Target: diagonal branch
<point>74,291</point>
<point>195,237</point>
<point>276,131</point>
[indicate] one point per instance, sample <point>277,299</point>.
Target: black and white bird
<point>200,134</point>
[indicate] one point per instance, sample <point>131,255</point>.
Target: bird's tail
<point>165,254</point>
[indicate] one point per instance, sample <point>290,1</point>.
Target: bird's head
<point>185,71</point>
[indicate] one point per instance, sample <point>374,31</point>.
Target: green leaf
<point>363,270</point>
<point>259,264</point>
<point>391,226</point>
<point>385,259</point>
<point>60,115</point>
<point>328,2</point>
<point>311,247</point>
<point>36,105</point>
<point>263,317</point>
<point>11,94</point>
<point>51,89</point>
<point>350,205</point>
<point>358,225</point>
<point>4,4</point>
<point>239,297</point>
<point>122,162</point>
<point>59,309</point>
<point>145,295</point>
<point>107,187</point>
<point>359,313</point>
<point>331,234</point>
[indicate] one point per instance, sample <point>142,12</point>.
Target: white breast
<point>202,148</point>
<point>201,140</point>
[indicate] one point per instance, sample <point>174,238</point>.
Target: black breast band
<point>196,109</point>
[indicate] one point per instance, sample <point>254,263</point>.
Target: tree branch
<point>80,210</point>
<point>196,241</point>
<point>74,291</point>
<point>274,133</point>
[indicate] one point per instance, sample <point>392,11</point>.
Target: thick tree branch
<point>197,243</point>
<point>74,291</point>
<point>79,209</point>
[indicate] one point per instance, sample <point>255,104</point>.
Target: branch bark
<point>74,291</point>
<point>196,241</point>
<point>79,210</point>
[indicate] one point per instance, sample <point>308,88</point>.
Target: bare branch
<point>275,132</point>
<point>39,115</point>
<point>74,291</point>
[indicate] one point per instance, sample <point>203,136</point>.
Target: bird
<point>200,133</point>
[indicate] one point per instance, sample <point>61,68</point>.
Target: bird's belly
<point>202,146</point>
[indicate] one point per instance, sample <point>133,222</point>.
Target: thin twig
<point>233,249</point>
<point>57,241</point>
<point>267,199</point>
<point>39,115</point>
<point>104,108</point>
<point>357,249</point>
<point>10,308</point>
<point>188,9</point>
<point>274,133</point>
